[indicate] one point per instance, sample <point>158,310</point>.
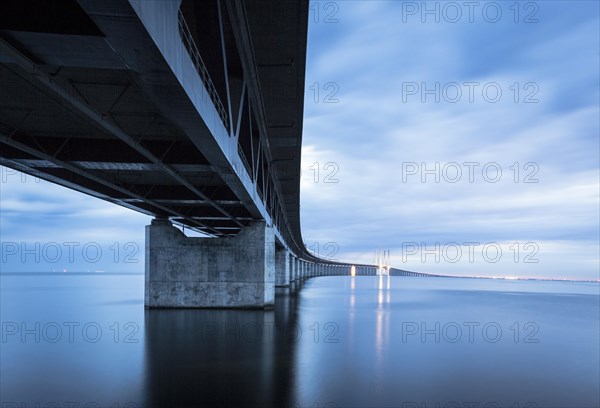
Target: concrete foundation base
<point>192,272</point>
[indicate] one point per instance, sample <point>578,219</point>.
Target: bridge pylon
<point>383,262</point>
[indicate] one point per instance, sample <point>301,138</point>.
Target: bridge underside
<point>93,109</point>
<point>187,111</point>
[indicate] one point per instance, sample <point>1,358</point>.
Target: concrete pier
<point>282,267</point>
<point>292,276</point>
<point>237,272</point>
<point>297,269</point>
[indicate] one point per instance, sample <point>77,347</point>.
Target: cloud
<point>378,129</point>
<point>360,189</point>
<point>47,227</point>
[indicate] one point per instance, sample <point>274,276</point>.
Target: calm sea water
<point>86,340</point>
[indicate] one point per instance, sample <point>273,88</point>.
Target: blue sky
<point>375,127</point>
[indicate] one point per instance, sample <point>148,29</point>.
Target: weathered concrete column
<point>237,272</point>
<point>296,268</point>
<point>282,267</point>
<point>292,267</point>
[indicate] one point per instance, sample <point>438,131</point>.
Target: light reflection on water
<point>349,341</point>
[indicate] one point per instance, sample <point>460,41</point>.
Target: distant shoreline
<point>398,271</point>
<point>71,273</point>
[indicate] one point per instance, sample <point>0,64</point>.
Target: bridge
<point>187,111</point>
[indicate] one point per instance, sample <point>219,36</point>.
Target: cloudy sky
<point>463,137</point>
<point>418,97</point>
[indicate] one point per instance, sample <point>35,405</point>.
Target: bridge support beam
<point>193,272</point>
<point>282,267</point>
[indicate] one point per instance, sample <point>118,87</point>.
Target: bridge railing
<point>245,162</point>
<point>190,45</point>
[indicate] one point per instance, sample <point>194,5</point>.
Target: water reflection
<point>382,323</point>
<point>221,357</point>
<point>352,312</point>
<point>378,362</point>
<point>341,340</point>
